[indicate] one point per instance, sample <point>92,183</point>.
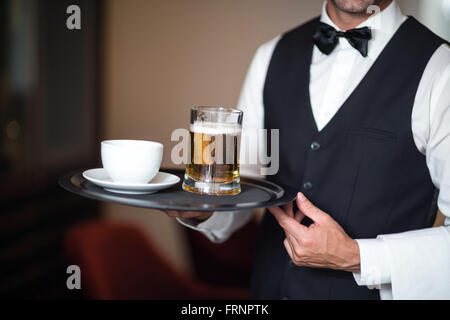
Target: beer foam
<point>214,128</point>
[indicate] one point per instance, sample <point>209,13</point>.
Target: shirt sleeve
<point>220,226</point>
<point>416,264</point>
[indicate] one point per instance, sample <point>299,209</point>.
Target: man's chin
<point>353,6</point>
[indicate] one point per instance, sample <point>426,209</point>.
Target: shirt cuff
<point>375,267</point>
<point>215,228</point>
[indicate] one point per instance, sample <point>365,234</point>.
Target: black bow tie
<point>326,38</point>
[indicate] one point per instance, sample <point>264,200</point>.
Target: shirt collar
<point>383,27</point>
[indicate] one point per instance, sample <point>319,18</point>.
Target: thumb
<point>308,209</point>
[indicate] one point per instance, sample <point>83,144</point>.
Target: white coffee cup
<point>131,161</point>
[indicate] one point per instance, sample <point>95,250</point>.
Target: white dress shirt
<point>408,265</point>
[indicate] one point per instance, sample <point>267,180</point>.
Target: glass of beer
<point>215,144</point>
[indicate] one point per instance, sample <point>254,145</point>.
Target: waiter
<point>362,103</point>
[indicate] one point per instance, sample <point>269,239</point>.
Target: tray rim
<point>284,194</point>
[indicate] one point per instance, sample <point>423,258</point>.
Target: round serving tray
<point>256,193</point>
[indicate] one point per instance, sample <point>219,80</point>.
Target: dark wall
<point>49,107</point>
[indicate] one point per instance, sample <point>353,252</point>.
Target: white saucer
<point>161,181</point>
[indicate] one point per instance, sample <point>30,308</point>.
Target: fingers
<point>293,241</point>
<point>170,213</point>
<point>289,249</point>
<point>289,209</point>
<point>290,225</point>
<point>184,214</point>
<point>299,216</point>
<point>308,209</point>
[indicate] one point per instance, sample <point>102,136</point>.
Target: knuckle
<point>283,224</point>
<point>306,242</point>
<point>173,214</point>
<point>325,216</point>
<point>308,205</point>
<point>298,253</point>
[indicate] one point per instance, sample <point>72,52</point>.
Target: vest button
<point>307,185</point>
<point>315,146</point>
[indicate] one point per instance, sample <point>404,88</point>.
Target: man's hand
<point>324,244</point>
<point>200,216</point>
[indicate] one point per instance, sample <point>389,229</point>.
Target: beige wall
<point>164,56</point>
<point>429,12</point>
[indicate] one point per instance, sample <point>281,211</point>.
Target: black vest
<point>363,168</point>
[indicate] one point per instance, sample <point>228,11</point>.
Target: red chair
<point>118,261</point>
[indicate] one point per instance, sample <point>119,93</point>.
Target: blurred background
<point>131,72</point>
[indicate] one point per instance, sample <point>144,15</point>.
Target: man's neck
<point>345,20</point>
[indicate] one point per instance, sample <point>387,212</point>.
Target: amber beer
<point>215,144</point>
